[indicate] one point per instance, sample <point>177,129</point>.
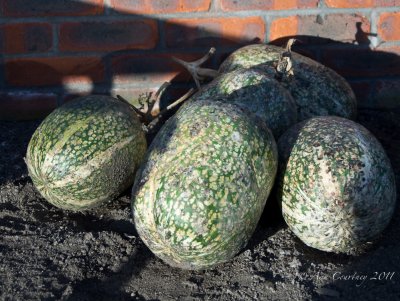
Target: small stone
<point>125,259</point>
<point>88,236</point>
<point>295,263</point>
<point>269,250</point>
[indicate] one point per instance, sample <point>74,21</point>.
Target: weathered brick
<point>213,31</point>
<point>338,27</point>
<point>360,3</point>
<point>236,5</point>
<point>133,95</point>
<point>25,8</point>
<point>160,6</point>
<point>363,62</point>
<point>389,26</point>
<point>53,71</point>
<point>72,95</point>
<point>150,68</point>
<point>26,105</point>
<point>284,27</point>
<point>27,37</point>
<point>108,36</point>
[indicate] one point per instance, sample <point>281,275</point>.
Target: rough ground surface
<point>48,254</point>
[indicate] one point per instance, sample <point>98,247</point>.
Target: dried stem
<point>289,45</point>
<point>151,118</point>
<point>284,66</point>
<point>156,120</point>
<point>155,110</point>
<point>178,101</point>
<point>195,70</point>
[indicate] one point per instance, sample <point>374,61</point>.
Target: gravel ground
<point>50,254</point>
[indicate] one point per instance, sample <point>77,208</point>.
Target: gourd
<point>202,188</point>
<point>336,184</point>
<point>86,152</point>
<point>316,89</point>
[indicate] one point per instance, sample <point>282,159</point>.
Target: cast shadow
<point>128,65</point>
<point>357,62</point>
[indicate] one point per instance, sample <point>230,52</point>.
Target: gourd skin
<point>257,92</point>
<point>316,89</point>
<point>336,184</point>
<point>201,191</point>
<point>86,152</point>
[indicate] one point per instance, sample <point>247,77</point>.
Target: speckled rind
<point>336,184</point>
<point>86,152</point>
<point>255,91</point>
<point>316,89</point>
<point>201,191</point>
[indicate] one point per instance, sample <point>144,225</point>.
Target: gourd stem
<point>153,106</point>
<point>151,118</point>
<point>284,66</point>
<point>178,101</point>
<point>156,120</point>
<point>155,110</point>
<point>289,45</point>
<point>207,72</point>
<point>195,70</point>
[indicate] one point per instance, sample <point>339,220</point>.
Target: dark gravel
<point>50,254</point>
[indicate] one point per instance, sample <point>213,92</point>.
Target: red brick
<point>389,26</point>
<point>27,37</point>
<point>53,71</point>
<point>108,36</point>
<point>25,8</point>
<point>360,3</point>
<point>395,50</point>
<point>338,27</point>
<point>214,31</point>
<point>132,95</point>
<point>236,5</point>
<point>284,27</point>
<point>387,3</point>
<point>155,68</point>
<point>363,62</point>
<point>160,6</point>
<point>26,105</point>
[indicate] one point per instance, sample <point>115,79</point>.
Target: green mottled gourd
<point>257,92</point>
<point>202,188</point>
<point>86,152</point>
<point>336,184</point>
<point>316,89</point>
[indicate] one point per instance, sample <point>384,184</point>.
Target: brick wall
<point>54,50</point>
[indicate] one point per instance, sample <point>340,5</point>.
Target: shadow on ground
<point>51,254</point>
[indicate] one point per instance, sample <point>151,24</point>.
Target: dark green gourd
<point>316,89</point>
<point>257,92</point>
<point>86,152</point>
<point>203,185</point>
